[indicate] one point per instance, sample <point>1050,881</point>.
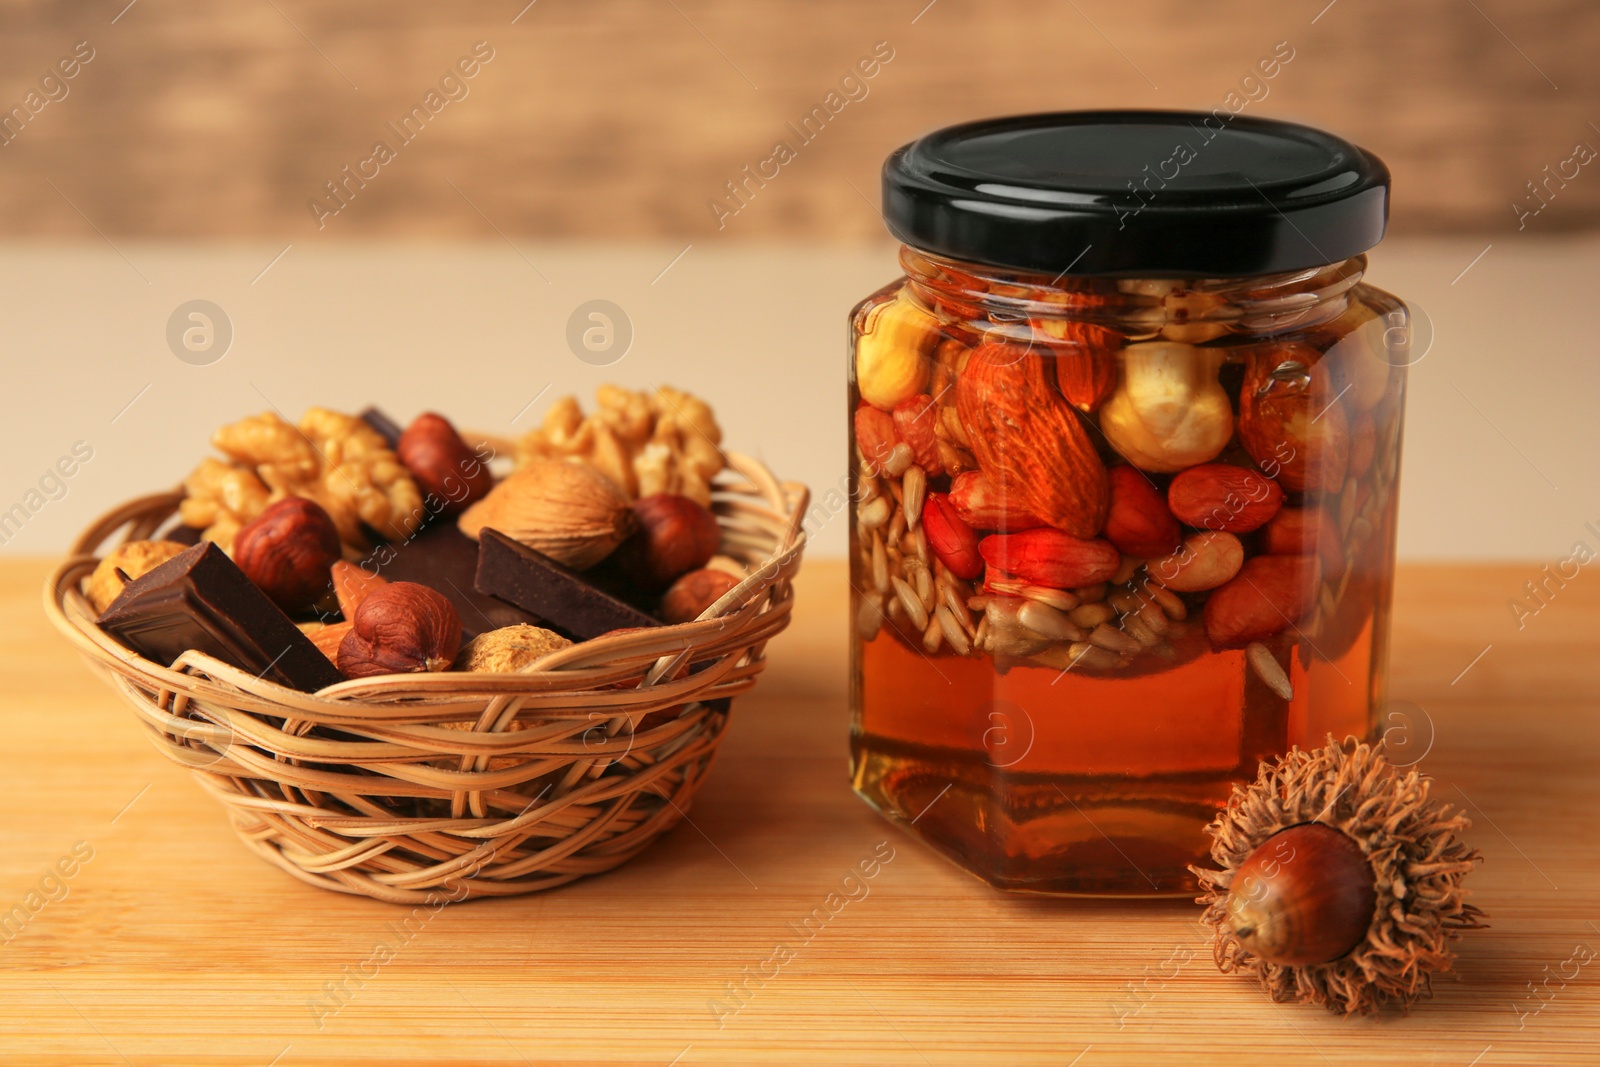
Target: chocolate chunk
<point>200,600</point>
<point>534,582</point>
<point>387,427</point>
<point>442,557</point>
<point>183,535</point>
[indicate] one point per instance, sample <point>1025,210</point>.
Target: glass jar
<point>1124,485</point>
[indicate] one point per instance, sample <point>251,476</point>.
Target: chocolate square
<point>199,599</point>
<point>560,596</point>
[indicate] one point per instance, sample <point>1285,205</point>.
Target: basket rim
<point>757,503</point>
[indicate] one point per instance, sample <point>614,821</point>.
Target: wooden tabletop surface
<point>169,943</point>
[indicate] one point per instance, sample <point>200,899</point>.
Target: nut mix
<point>1096,497</point>
<point>603,523</point>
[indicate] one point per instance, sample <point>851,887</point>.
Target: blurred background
<point>409,204</point>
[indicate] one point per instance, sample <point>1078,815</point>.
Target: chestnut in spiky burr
<point>1340,882</point>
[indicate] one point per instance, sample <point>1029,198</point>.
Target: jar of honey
<point>1125,439</point>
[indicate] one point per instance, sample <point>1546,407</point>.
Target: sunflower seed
<point>1109,637</point>
<point>952,631</point>
<point>1170,602</point>
<point>1265,664</point>
<point>1090,594</point>
<point>908,599</point>
<point>897,527</point>
<point>1152,616</point>
<point>1059,599</point>
<point>1134,626</point>
<point>932,637</point>
<point>1047,622</point>
<point>898,460</point>
<point>1089,616</point>
<point>869,617</point>
<point>915,490</point>
<point>880,565</point>
<point>874,513</point>
<point>1128,568</point>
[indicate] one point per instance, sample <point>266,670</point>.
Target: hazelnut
<point>287,551</point>
<point>401,628</point>
<point>510,648</point>
<point>450,474</point>
<point>675,536</point>
<point>694,593</point>
<point>125,563</point>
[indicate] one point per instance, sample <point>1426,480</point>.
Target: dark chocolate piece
<point>534,582</point>
<point>387,427</point>
<point>441,557</point>
<point>199,599</point>
<point>183,535</point>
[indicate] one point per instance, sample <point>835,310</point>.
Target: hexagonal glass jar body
<point>1113,542</point>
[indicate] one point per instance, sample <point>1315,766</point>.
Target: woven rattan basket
<point>415,788</point>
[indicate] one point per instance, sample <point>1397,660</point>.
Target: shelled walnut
<point>336,460</point>
<point>665,441</point>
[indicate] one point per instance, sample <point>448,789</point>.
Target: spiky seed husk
<point>1416,854</point>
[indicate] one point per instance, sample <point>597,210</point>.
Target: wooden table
<point>173,945</point>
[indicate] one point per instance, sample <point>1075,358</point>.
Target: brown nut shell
<point>288,552</point>
<point>568,510</point>
<point>694,593</point>
<point>401,628</point>
<point>450,474</point>
<point>675,535</point>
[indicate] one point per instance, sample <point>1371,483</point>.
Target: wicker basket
<point>412,788</point>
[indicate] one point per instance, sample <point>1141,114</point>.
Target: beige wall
<point>622,118</point>
<point>1500,443</point>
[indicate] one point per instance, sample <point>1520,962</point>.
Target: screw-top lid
<point>1142,193</point>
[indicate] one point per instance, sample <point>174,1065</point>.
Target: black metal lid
<point>1143,193</point>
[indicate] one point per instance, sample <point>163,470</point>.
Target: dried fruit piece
<point>1268,594</point>
<point>1291,421</point>
<point>983,507</point>
<point>875,435</point>
<point>567,510</point>
<point>1139,522</point>
<point>287,551</point>
<point>1085,356</point>
<point>1170,411</point>
<point>915,422</point>
<point>1049,557</point>
<point>1029,441</point>
<point>892,352</point>
<point>402,628</point>
<point>950,538</point>
<point>1204,561</point>
<point>1222,496</point>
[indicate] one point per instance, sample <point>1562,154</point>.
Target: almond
<point>1291,421</point>
<point>1049,557</point>
<point>951,539</point>
<point>915,421</point>
<point>1268,595</point>
<point>1029,440</point>
<point>351,584</point>
<point>1222,496</point>
<point>1085,360</point>
<point>875,437</point>
<point>1204,561</point>
<point>1308,531</point>
<point>983,507</point>
<point>1138,522</point>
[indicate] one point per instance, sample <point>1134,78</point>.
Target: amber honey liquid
<point>1059,782</point>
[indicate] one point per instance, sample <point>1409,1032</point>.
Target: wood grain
<point>624,118</point>
<point>175,946</point>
